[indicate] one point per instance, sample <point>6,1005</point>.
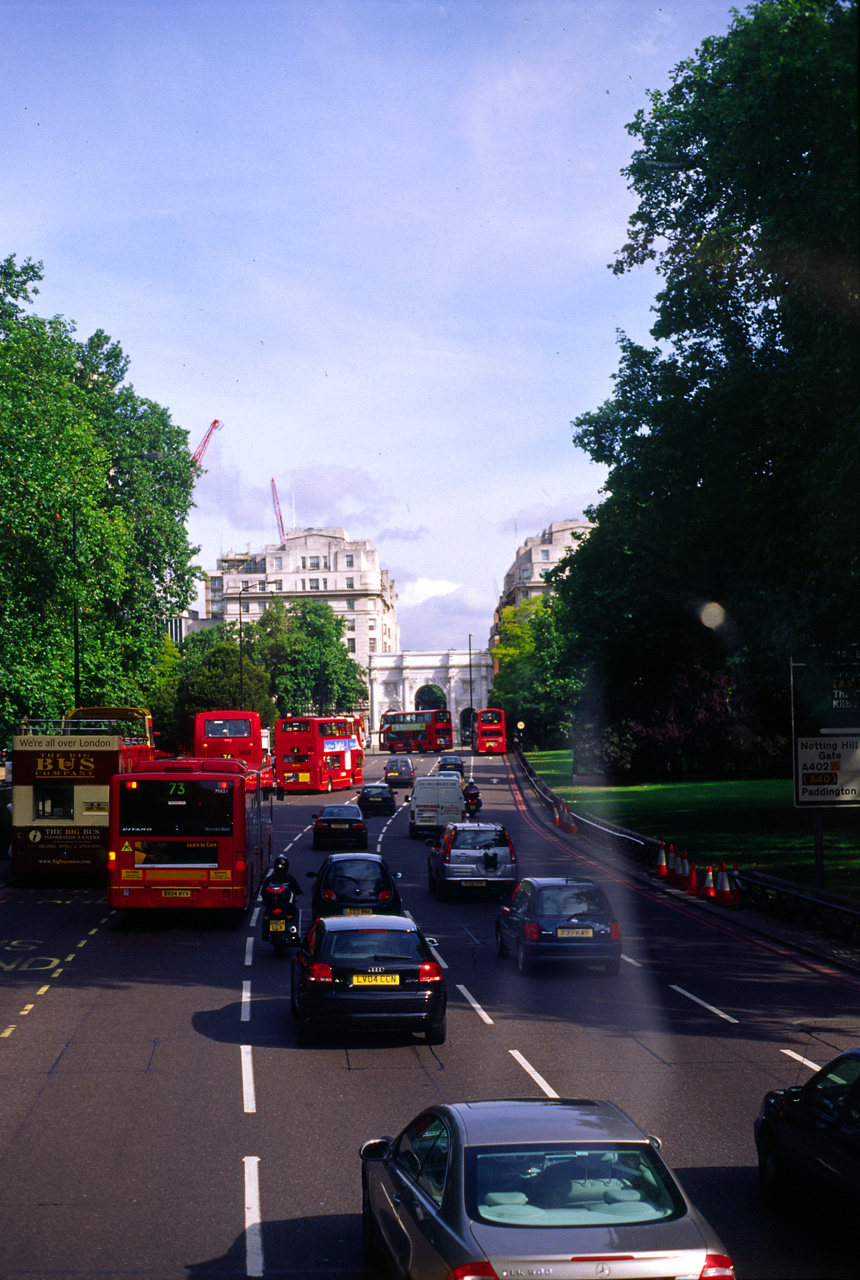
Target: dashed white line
<point>249,1093</point>
<point>538,1079</point>
<point>630,960</point>
<point>789,1053</point>
<point>245,1015</point>
<point>704,1004</point>
<point>253,1231</point>
<point>249,949</point>
<point>485,1017</point>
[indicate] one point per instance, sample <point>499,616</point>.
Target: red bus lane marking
<point>817,967</point>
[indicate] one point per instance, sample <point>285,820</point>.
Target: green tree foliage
<point>731,444</point>
<point>71,434</point>
<point>527,685</point>
<point>215,683</point>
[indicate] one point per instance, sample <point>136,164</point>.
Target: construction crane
<point>214,426</point>
<point>281,534</point>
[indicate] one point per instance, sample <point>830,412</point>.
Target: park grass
<point>751,822</point>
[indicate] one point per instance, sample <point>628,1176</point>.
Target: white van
<point>434,803</point>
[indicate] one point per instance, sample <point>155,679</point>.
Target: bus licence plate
<point>574,933</point>
<point>176,893</point>
<point>376,979</point>
<point>357,911</point>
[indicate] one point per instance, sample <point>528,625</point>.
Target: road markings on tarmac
<point>789,1053</point>
<point>253,1230</point>
<point>704,1004</point>
<point>249,1093</point>
<point>245,1015</point>
<point>249,949</point>
<point>538,1079</point>
<point>485,1017</point>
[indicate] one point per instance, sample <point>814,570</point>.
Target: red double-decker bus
<point>61,772</point>
<point>317,753</point>
<point>488,732</point>
<point>233,735</point>
<point>188,833</point>
<point>407,731</point>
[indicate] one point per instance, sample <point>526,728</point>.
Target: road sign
<point>825,707</point>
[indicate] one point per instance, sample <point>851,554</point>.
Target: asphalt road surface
<point>159,1119</point>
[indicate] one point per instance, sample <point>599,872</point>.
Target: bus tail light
<point>532,932</point>
<point>319,972</point>
<point>430,971</point>
<point>111,855</point>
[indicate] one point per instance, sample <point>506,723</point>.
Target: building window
<point>244,584</point>
<point>350,624</point>
<point>350,602</point>
<point>350,562</point>
<point>278,563</point>
<point>314,584</point>
<point>246,608</point>
<point>325,562</point>
<point>371,644</point>
<point>278,585</point>
<point>371,626</point>
<point>544,555</point>
<point>325,584</point>
<point>350,583</point>
<point>350,645</point>
<point>304,563</point>
<point>303,584</point>
<point>315,562</point>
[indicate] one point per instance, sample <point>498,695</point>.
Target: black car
<point>808,1137</point>
<point>369,974</point>
<point>376,797</point>
<point>453,763</point>
<point>339,825</point>
<point>559,919</point>
<point>355,884</point>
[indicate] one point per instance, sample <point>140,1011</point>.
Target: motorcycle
<point>280,917</point>
<point>472,803</point>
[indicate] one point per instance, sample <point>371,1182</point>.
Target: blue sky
<point>371,236</point>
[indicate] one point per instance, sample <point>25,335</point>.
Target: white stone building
<point>534,560</point>
<point>395,680</point>
<point>312,564</point>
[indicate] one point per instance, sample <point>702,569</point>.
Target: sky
<point>371,237</point>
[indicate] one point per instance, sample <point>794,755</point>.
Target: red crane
<point>281,534</point>
<point>214,426</point>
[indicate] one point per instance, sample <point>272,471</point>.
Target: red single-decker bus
<point>421,731</point>
<point>317,753</point>
<point>233,735</point>
<point>188,833</point>
<point>488,732</point>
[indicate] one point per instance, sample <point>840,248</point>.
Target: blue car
<point>559,919</point>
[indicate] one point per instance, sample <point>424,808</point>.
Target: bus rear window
<point>156,807</point>
<point>227,728</point>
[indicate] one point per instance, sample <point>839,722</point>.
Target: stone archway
<point>394,681</point>
<point>430,698</point>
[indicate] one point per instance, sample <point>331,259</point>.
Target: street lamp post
<point>76,610</point>
<point>471,698</point>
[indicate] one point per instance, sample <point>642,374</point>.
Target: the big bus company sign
<point>825,705</point>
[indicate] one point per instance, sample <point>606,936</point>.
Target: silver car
<point>530,1187</point>
<point>472,856</point>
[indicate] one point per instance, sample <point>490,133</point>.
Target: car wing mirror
<point>505,911</point>
<point>312,875</point>
<point>375,1149</point>
<point>398,875</point>
<point>431,942</point>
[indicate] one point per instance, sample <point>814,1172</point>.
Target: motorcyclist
<point>472,795</point>
<point>279,873</point>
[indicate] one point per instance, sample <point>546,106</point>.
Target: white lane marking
<point>538,1079</point>
<point>255,917</point>
<point>249,949</point>
<point>249,1093</point>
<point>789,1053</point>
<point>253,1232</point>
<point>246,1002</point>
<point>632,961</point>
<point>710,1007</point>
<point>485,1017</point>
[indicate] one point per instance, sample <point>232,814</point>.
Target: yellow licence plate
<point>574,933</point>
<point>277,926</point>
<point>479,884</point>
<point>376,979</point>
<point>357,911</point>
<point>176,893</point>
<point>341,826</point>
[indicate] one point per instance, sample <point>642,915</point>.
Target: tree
<point>81,517</point>
<point>528,686</point>
<point>301,646</point>
<point>732,444</point>
<point>214,684</point>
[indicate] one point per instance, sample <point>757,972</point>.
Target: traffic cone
<point>723,892</point>
<point>661,863</point>
<point>733,887</point>
<point>708,887</point>
<point>555,814</point>
<point>693,883</point>
<point>684,876</point>
<point>670,865</point>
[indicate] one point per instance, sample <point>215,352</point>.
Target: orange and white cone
<point>684,876</point>
<point>692,882</point>
<point>723,892</point>
<point>670,865</point>
<point>708,887</point>
<point>662,871</point>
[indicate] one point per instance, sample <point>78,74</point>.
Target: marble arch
<point>395,678</point>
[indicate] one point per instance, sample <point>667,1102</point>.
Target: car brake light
<point>319,972</point>
<point>473,1271</point>
<point>329,895</point>
<point>276,911</point>
<point>513,852</point>
<point>357,825</point>
<point>430,971</point>
<point>717,1267</point>
<point>531,930</point>
<point>615,931</point>
<point>385,895</point>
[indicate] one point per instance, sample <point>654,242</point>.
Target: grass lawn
<point>752,822</point>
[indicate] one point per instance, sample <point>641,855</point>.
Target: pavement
<point>806,941</point>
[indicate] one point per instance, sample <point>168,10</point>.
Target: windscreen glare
<point>156,807</point>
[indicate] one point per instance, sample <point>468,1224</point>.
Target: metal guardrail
<point>828,915</point>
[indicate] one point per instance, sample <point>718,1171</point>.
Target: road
<point>158,1118</point>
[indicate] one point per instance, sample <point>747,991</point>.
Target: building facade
<point>312,564</point>
<point>534,559</point>
<point>395,679</point>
